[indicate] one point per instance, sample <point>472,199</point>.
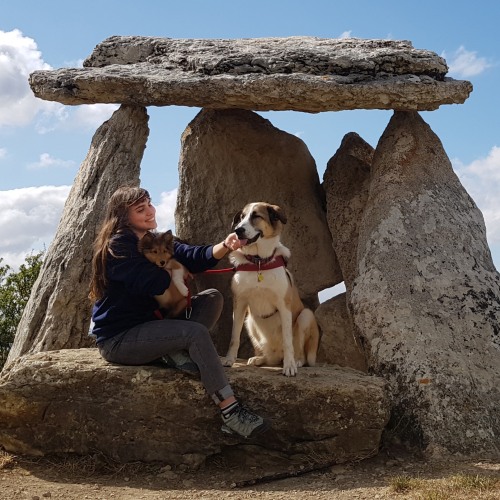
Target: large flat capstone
<point>72,401</point>
<point>294,73</point>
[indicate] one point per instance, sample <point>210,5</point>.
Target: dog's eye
<point>256,216</point>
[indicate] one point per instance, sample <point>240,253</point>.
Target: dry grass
<point>82,467</point>
<point>461,486</point>
<point>6,460</point>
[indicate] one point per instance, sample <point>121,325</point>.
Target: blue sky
<point>42,144</point>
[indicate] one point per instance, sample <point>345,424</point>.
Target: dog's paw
<point>290,369</point>
<point>183,289</point>
<point>299,363</point>
<point>256,361</point>
<point>227,361</point>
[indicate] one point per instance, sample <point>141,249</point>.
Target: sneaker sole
<point>265,426</point>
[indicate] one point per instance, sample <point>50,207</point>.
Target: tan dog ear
<point>276,213</point>
<point>236,219</point>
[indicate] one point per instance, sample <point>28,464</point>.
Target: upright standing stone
<point>57,315</point>
<point>427,295</point>
<point>233,157</point>
<point>346,183</point>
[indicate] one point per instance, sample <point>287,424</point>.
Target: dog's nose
<point>240,231</point>
<point>162,263</point>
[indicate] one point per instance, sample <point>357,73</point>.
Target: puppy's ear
<point>276,213</point>
<point>145,241</point>
<point>147,238</point>
<point>236,219</point>
<point>167,235</point>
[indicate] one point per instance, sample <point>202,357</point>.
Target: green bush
<point>15,289</point>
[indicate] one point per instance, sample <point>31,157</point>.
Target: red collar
<point>255,259</point>
<point>258,264</point>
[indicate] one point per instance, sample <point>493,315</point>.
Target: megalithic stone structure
<point>57,315</point>
<point>422,291</point>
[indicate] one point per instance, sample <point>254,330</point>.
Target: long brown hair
<point>116,219</point>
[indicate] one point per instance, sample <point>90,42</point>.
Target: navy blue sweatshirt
<point>133,281</point>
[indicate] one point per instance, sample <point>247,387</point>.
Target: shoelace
<point>244,414</point>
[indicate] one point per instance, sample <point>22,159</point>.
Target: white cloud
<point>78,63</point>
<point>51,118</point>
<point>165,210</point>
<point>481,179</point>
<point>19,57</point>
<point>28,220</point>
<point>46,161</point>
<point>91,116</point>
<point>489,167</point>
<point>465,63</point>
<point>86,117</point>
<point>3,153</point>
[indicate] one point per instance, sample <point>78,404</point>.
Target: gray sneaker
<point>244,422</point>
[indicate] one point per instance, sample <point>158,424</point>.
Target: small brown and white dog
<point>281,329</point>
<point>158,248</point>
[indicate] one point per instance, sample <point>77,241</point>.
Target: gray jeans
<point>149,341</point>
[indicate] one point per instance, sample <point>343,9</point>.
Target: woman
<point>126,327</point>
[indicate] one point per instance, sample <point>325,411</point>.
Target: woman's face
<point>141,217</point>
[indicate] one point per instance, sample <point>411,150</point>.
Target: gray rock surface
<point>295,73</point>
<point>426,298</point>
<point>296,54</point>
<point>339,344</point>
<point>58,312</point>
<point>72,401</point>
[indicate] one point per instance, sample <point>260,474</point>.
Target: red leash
<point>254,265</point>
<point>217,271</point>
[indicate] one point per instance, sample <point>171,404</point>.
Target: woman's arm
<point>199,258</point>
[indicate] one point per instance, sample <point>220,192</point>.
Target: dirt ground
<point>388,475</point>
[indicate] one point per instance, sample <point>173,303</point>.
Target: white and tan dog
<point>281,329</point>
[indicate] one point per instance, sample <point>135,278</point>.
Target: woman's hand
<point>230,243</point>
